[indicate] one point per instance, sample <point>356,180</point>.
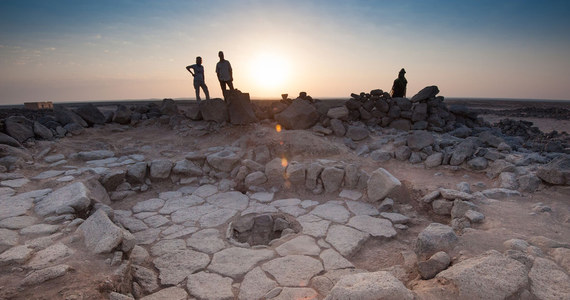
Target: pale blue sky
<point>98,50</point>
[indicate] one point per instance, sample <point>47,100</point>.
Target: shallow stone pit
<point>261,229</point>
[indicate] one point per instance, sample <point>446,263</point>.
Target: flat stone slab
<point>147,236</point>
<point>14,206</point>
<point>212,286</point>
<point>39,229</point>
<point>18,222</point>
<point>361,208</point>
<point>14,183</point>
<point>376,285</point>
<point>167,246</point>
<point>176,266</point>
<point>293,270</point>
<point>262,196</point>
<point>171,293</point>
<point>156,221</point>
<point>301,245</point>
<point>333,212</point>
<point>217,217</point>
<point>295,211</point>
<point>175,204</point>
<point>44,275</point>
<point>16,255</point>
<point>332,260</point>
<point>207,241</point>
<point>205,191</point>
<point>296,293</point>
<point>49,256</point>
<point>255,285</point>
<point>350,194</point>
<point>148,205</point>
<point>453,194</point>
<point>346,240</point>
<point>48,174</point>
<point>286,202</point>
<point>232,200</point>
<point>374,226</point>
<point>74,195</point>
<point>235,261</point>
<point>395,218</point>
<point>192,213</point>
<point>313,225</point>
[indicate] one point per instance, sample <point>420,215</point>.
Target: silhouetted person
<point>399,87</point>
<point>199,81</point>
<point>224,71</point>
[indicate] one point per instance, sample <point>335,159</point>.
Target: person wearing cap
<point>199,81</point>
<point>225,76</point>
<point>399,87</point>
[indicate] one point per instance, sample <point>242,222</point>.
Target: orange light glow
<point>284,162</point>
<point>278,128</point>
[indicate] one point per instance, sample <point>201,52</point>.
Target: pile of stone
<point>423,111</point>
<point>533,138</point>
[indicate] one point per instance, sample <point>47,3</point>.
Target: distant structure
<point>38,105</point>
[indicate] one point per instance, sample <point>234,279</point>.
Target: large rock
<point>255,285</point>
<point>340,112</point>
<point>357,133</point>
<point>100,233</point>
<point>75,196</point>
<point>42,131</point>
<point>556,172</point>
<point>462,152</point>
<point>210,286</point>
<point>224,160</point>
<point>8,140</point>
<point>374,226</point>
<point>122,115</point>
<point>168,107</point>
<point>240,109</point>
<point>293,270</point>
<point>136,173</point>
<point>548,280</point>
<point>161,168</point>
<point>401,124</point>
<point>214,110</point>
<point>337,127</point>
<point>369,286</point>
<point>488,276</point>
<point>20,128</point>
<point>434,238</point>
<point>346,240</point>
<point>420,139</point>
<point>426,93</point>
<point>332,179</point>
<point>65,116</point>
<point>435,264</point>
<point>299,115</point>
<point>380,184</point>
<point>90,114</point>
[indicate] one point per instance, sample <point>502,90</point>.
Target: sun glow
<point>270,72</point>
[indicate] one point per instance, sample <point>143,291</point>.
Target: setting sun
<point>270,72</point>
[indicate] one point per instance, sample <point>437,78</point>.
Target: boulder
<point>434,160</point>
<point>20,128</point>
<point>435,264</point>
<point>332,179</point>
<point>380,184</point>
<point>340,112</point>
<point>42,132</point>
<point>65,116</point>
<point>462,152</point>
<point>419,139</point>
<point>478,163</point>
<point>8,140</point>
<point>240,108</point>
<point>214,110</point>
<point>420,112</point>
<point>337,127</point>
<point>357,133</point>
<point>168,107</point>
<point>74,196</point>
<point>100,233</point>
<point>434,238</point>
<point>369,286</point>
<point>91,114</point>
<point>299,115</point>
<point>426,93</point>
<point>136,173</point>
<point>160,169</point>
<point>501,277</point>
<point>529,183</point>
<point>401,124</point>
<point>548,280</point>
<point>224,160</point>
<point>73,128</point>
<point>122,115</point>
<point>556,172</point>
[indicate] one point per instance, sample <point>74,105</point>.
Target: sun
<point>270,72</point>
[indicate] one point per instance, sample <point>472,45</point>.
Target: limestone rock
<point>19,127</point>
<point>214,110</point>
<point>299,115</point>
<point>369,286</point>
<point>380,184</point>
<point>435,264</point>
<point>293,270</point>
<point>357,133</point>
<point>234,262</point>
<point>332,179</point>
<point>43,275</point>
<point>330,211</point>
<point>91,114</point>
<point>176,266</point>
<point>171,293</point>
<point>346,240</point>
<point>434,238</point>
<point>255,285</point>
<point>426,93</point>
<point>301,245</point>
<point>74,195</point>
<point>224,160</point>
<point>340,112</point>
<point>210,286</point>
<point>160,169</point>
<point>556,172</point>
<point>374,226</point>
<point>101,234</point>
<point>419,139</point>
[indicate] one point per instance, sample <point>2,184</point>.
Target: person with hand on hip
<point>199,81</point>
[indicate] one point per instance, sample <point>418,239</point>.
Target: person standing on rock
<point>225,76</point>
<point>199,81</point>
<point>399,87</point>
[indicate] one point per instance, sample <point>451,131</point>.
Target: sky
<point>80,50</point>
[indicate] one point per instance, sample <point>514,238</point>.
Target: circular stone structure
<point>261,229</point>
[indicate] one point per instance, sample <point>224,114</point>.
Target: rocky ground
<point>375,198</point>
